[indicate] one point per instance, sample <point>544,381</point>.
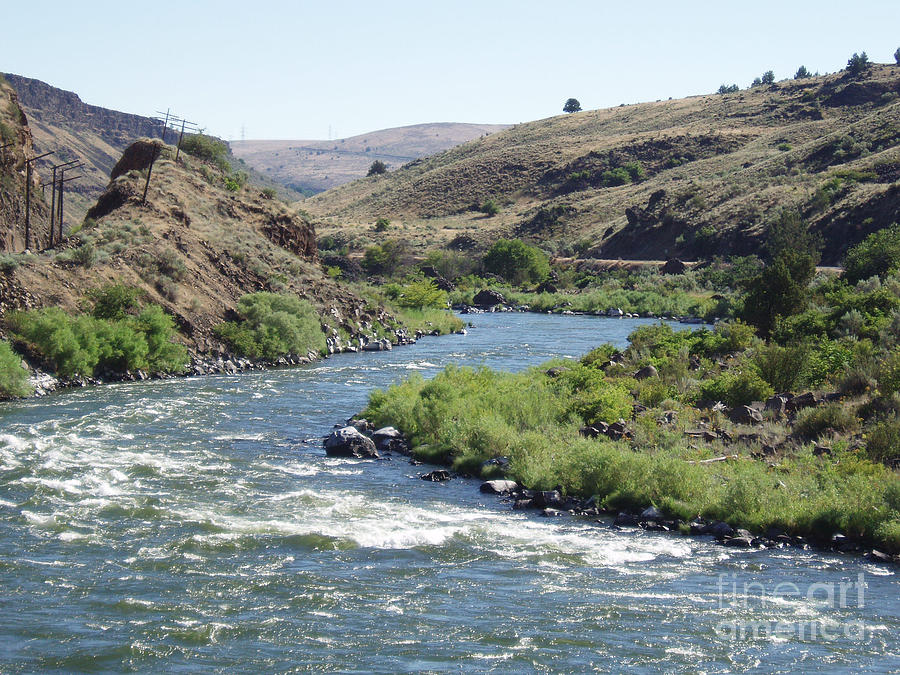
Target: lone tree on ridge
<point>572,105</point>
<point>378,167</point>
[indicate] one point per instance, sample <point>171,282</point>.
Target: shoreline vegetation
<point>782,423</point>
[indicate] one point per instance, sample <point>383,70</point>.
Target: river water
<point>196,525</point>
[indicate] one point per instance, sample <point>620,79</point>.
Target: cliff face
<point>51,106</point>
<point>15,134</point>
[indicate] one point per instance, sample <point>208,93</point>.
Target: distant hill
<point>60,121</point>
<point>708,174</point>
<point>314,166</point>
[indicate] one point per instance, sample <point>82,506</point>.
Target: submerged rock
<point>349,442</point>
<point>437,476</point>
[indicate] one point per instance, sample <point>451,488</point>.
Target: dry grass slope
<point>717,170</point>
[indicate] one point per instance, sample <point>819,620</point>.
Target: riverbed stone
<point>437,476</point>
<point>498,487</point>
<point>652,514</point>
<point>350,442</point>
<point>646,372</point>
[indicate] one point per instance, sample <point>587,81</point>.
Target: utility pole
<point>165,123</point>
<point>61,181</point>
<point>156,151</point>
<point>190,126</point>
<point>28,197</point>
<point>53,200</point>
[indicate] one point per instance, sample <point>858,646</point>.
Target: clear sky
<point>292,70</point>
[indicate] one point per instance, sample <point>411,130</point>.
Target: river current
<point>196,525</point>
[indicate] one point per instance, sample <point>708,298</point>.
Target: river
<point>195,525</point>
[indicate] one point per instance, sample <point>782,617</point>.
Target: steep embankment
<point>314,166</point>
<point>708,174</point>
<point>61,122</point>
<point>17,142</point>
<point>195,248</point>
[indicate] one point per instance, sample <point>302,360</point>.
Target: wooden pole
<point>53,207</point>
<point>149,171</point>
<point>180,137</point>
<point>27,205</point>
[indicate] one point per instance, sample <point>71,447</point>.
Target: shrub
<point>729,89</point>
<point>8,263</point>
<point>768,77</point>
<point>813,422</point>
<point>86,345</point>
<point>883,440</point>
<point>889,374</point>
<point>876,255</point>
<point>782,367</point>
<point>13,377</point>
<point>421,294</point>
<point>206,148</point>
<point>386,258</point>
<point>382,224</point>
<point>736,387</point>
<point>516,261</point>
<point>273,325</point>
<point>489,207</point>
<point>269,193</point>
<point>614,177</point>
<point>113,301</point>
<point>802,73</point>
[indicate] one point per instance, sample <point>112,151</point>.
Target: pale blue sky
<point>294,69</point>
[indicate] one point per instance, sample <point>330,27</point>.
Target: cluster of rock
<point>359,439</point>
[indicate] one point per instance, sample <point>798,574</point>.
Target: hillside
<point>314,166</point>
<point>194,248</point>
<point>17,144</point>
<point>60,121</point>
<point>710,173</point>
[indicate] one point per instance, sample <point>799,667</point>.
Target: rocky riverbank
<point>359,439</point>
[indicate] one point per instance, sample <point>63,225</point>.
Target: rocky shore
<point>357,438</point>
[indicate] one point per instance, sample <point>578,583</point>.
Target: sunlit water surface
<point>196,525</point>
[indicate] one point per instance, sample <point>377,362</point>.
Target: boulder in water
<point>349,442</point>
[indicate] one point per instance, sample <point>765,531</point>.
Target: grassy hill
<point>314,166</point>
<point>708,176</point>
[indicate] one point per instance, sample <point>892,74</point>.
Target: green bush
<point>86,345</point>
<point>113,301</point>
<point>516,261</point>
<point>736,387</point>
<point>273,325</point>
<point>489,207</point>
<point>813,422</point>
<point>883,440</point>
<point>13,377</point>
<point>377,168</point>
<point>614,177</point>
<point>889,374</point>
<point>382,224</point>
<point>729,89</point>
<point>206,148</point>
<point>876,255</point>
<point>858,64</point>
<point>385,258</point>
<point>421,294</point>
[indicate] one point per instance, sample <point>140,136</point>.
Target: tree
<point>858,64</point>
<point>516,261</point>
<point>572,106</point>
<point>756,82</point>
<point>780,289</point>
<point>378,167</point>
<point>897,56</point>
<point>801,73</point>
<point>768,77</point>
<point>729,89</point>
